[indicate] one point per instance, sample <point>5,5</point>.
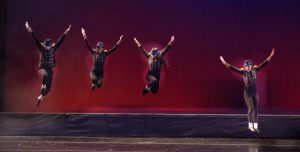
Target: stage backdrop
<point>196,81</point>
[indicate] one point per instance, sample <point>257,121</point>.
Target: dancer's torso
<point>98,60</point>
<point>249,78</point>
<point>155,65</point>
<point>47,58</point>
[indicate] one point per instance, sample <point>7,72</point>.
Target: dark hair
<point>47,42</point>
<point>248,63</point>
<point>100,44</point>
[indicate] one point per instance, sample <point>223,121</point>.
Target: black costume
<point>155,64</point>
<point>47,61</point>
<point>250,92</point>
<point>96,74</point>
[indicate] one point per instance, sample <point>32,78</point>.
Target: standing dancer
<point>248,71</point>
<point>99,55</point>
<point>155,59</point>
<point>47,51</point>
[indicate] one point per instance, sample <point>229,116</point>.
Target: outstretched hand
<point>28,27</point>
<point>223,61</point>
<point>83,33</point>
<point>271,55</point>
<point>121,37</point>
<point>137,42</point>
<point>68,29</point>
<point>172,40</point>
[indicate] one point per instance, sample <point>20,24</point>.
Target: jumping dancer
<point>155,59</point>
<point>99,55</point>
<point>47,51</point>
<point>248,71</point>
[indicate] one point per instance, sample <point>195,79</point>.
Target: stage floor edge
<point>148,125</point>
<point>71,143</point>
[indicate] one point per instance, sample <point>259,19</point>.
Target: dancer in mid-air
<point>99,55</point>
<point>248,71</point>
<point>155,59</point>
<point>47,51</point>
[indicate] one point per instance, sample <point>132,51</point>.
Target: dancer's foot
<point>146,90</point>
<point>93,87</point>
<point>251,129</point>
<point>39,100</point>
<point>256,130</point>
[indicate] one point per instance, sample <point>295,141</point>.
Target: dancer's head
<point>248,65</point>
<point>100,46</point>
<point>155,52</point>
<point>47,42</point>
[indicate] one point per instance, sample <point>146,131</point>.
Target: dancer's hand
<point>121,37</point>
<point>172,40</point>
<point>271,55</point>
<point>83,33</point>
<point>137,42</point>
<point>28,27</point>
<point>68,29</point>
<point>223,61</point>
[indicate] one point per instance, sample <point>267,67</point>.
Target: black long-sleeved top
<point>249,77</point>
<point>155,64</point>
<point>99,57</point>
<point>47,54</point>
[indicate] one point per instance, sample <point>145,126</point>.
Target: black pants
<point>96,77</point>
<point>46,74</point>
<point>153,82</point>
<point>251,100</point>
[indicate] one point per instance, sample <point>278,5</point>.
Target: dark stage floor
<point>45,143</point>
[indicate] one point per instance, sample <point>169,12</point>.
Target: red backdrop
<point>196,81</point>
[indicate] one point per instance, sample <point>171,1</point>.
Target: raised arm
<point>36,40</point>
<point>115,46</point>
<point>141,48</point>
<point>231,67</point>
<point>260,66</point>
<point>86,40</point>
<point>165,50</point>
<point>62,37</point>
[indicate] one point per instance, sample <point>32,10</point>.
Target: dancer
<point>155,59</point>
<point>99,55</point>
<point>47,51</point>
<point>248,71</point>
